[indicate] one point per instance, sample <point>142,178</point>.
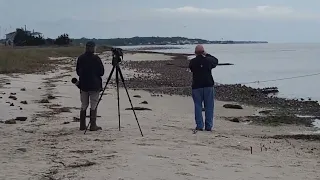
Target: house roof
<point>11,33</point>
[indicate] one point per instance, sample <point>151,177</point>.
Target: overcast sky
<point>270,20</point>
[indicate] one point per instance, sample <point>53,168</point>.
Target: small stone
<point>10,121</point>
<point>144,102</point>
<point>8,83</point>
<point>11,104</point>
<point>139,109</point>
<point>13,97</point>
<point>66,123</point>
<point>232,106</point>
<point>22,149</point>
<point>21,118</point>
<point>235,120</point>
<point>51,97</point>
<point>24,102</point>
<point>137,96</point>
<point>13,93</point>
<point>39,88</point>
<point>23,89</point>
<point>76,119</point>
<point>21,108</point>
<point>44,101</point>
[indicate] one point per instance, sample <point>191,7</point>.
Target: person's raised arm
<point>213,60</point>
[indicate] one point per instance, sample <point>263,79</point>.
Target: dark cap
<point>90,44</point>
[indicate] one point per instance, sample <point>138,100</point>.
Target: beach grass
<point>35,59</point>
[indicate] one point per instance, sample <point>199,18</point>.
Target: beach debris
<point>62,110</point>
<point>21,118</point>
<point>76,119</point>
<point>51,97</point>
<point>81,163</point>
<point>44,101</point>
<point>236,120</point>
<point>23,89</point>
<point>232,106</point>
<point>137,96</point>
<point>82,151</point>
<point>139,109</point>
<point>265,112</point>
<point>24,102</point>
<point>22,149</point>
<point>144,102</point>
<point>270,90</point>
<point>309,137</point>
<point>10,121</point>
<point>13,97</point>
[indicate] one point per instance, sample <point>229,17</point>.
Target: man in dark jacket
<point>90,70</point>
<point>203,87</point>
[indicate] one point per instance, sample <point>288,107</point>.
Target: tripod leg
<point>105,87</point>
<point>118,96</point>
<point>124,85</point>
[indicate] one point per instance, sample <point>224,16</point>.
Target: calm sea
<point>261,62</point>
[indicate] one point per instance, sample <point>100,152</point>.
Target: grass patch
<point>36,59</point>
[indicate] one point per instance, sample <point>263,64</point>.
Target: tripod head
<point>117,54</point>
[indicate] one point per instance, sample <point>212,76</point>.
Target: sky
<point>284,21</point>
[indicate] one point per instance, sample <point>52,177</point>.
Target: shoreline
<point>48,145</point>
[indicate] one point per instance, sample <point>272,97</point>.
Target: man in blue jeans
<point>203,87</point>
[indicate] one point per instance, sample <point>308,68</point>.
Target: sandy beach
<point>49,146</point>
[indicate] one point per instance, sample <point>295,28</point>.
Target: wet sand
<point>48,144</point>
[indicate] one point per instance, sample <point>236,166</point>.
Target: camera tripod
<point>115,63</point>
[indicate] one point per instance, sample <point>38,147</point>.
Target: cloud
<point>267,12</point>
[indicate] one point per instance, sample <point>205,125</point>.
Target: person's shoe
<point>93,121</point>
<point>83,120</point>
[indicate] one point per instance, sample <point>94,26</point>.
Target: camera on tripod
<point>117,54</point>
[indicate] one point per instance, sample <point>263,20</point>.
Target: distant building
<point>10,36</point>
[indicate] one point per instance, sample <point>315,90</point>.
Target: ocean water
<point>261,62</point>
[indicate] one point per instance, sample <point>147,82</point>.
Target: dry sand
<point>49,146</point>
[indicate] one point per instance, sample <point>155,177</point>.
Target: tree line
<point>25,38</point>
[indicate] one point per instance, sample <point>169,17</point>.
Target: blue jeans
<point>206,96</point>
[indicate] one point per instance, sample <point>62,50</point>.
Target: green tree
<point>63,40</point>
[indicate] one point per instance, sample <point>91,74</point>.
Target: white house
<point>10,36</point>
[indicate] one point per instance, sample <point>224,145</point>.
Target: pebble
<point>13,97</point>
<point>137,96</point>
<point>21,118</point>
<point>23,89</point>
<point>139,109</point>
<point>24,102</point>
<point>232,106</point>
<point>10,121</point>
<point>144,102</point>
<point>22,149</point>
